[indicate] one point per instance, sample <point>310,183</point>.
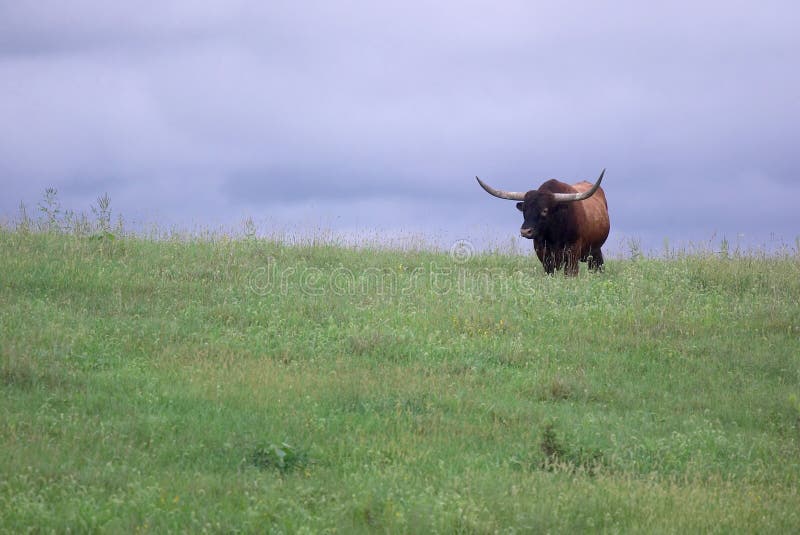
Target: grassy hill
<point>247,385</point>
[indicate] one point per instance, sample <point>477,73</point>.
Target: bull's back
<point>593,214</point>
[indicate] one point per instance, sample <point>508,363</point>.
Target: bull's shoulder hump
<point>556,186</point>
<point>582,186</point>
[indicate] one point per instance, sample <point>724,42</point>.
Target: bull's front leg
<point>546,257</point>
<point>571,262</point>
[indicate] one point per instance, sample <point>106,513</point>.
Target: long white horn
<point>570,197</point>
<point>510,195</point>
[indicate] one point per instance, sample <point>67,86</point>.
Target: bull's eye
<point>544,212</point>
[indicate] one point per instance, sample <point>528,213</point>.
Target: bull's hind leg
<point>596,260</point>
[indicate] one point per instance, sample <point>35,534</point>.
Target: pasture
<point>220,384</point>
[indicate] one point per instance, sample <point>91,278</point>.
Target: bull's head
<point>538,205</point>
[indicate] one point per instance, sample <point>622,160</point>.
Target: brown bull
<point>567,223</point>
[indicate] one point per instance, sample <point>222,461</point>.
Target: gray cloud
<point>212,111</point>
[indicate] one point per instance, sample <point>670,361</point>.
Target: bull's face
<point>536,209</point>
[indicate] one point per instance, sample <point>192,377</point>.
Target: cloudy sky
<point>374,117</point>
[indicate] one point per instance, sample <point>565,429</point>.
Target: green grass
<point>153,385</point>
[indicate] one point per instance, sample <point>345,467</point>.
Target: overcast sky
<point>374,117</point>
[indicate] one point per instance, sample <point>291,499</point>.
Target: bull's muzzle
<point>526,233</point>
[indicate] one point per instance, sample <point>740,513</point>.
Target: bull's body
<point>567,223</point>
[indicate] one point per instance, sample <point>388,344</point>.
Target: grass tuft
<point>283,458</point>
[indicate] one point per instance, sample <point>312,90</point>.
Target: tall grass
<point>246,384</point>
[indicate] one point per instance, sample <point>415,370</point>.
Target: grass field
<point>247,385</point>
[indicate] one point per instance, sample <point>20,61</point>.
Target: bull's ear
<point>519,206</point>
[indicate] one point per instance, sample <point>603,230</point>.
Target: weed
<point>102,212</point>
<point>551,447</point>
<point>283,458</point>
<point>50,208</point>
<point>560,456</point>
